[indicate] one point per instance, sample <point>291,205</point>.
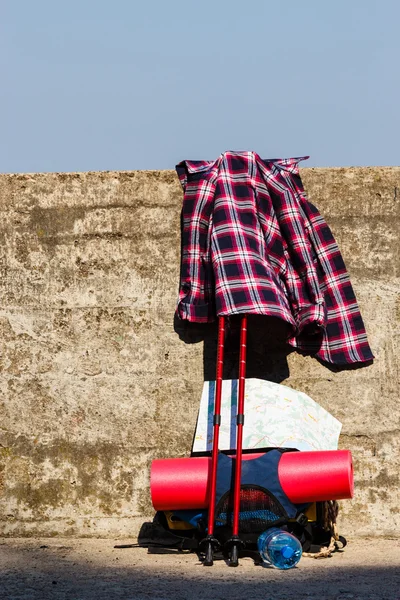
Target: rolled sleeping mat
<point>182,483</point>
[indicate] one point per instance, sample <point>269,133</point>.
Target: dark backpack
<point>263,505</point>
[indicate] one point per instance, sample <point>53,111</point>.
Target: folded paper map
<point>275,416</point>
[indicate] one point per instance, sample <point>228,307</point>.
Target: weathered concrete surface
<point>49,569</point>
<point>95,383</point>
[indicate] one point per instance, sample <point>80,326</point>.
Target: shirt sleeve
<point>300,264</point>
<point>195,299</point>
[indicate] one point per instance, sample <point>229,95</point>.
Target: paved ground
<point>88,569</point>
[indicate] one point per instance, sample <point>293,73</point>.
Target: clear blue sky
<point>99,85</point>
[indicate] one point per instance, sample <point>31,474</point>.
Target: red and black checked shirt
<point>252,243</point>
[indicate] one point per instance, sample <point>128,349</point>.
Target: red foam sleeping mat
<point>182,483</point>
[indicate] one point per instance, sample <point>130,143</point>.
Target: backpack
<point>263,504</point>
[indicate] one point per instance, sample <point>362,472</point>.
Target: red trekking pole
<point>210,543</point>
<point>235,542</point>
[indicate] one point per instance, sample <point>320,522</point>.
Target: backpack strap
<point>157,535</point>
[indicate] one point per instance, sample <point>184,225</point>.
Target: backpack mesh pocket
<point>259,509</point>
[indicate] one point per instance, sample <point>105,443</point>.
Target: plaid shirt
<point>252,243</point>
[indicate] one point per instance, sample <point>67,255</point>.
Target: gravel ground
<point>92,569</point>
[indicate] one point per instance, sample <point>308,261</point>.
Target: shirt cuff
<point>196,313</point>
<point>313,315</point>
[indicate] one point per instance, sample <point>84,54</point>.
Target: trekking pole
<point>210,542</point>
<point>235,542</point>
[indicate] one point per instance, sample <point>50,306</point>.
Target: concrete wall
<point>95,383</point>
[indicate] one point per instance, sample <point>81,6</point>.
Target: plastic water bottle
<point>279,548</point>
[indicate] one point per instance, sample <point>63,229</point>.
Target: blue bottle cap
<point>287,552</point>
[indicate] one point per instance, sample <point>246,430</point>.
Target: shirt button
<point>185,287</point>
